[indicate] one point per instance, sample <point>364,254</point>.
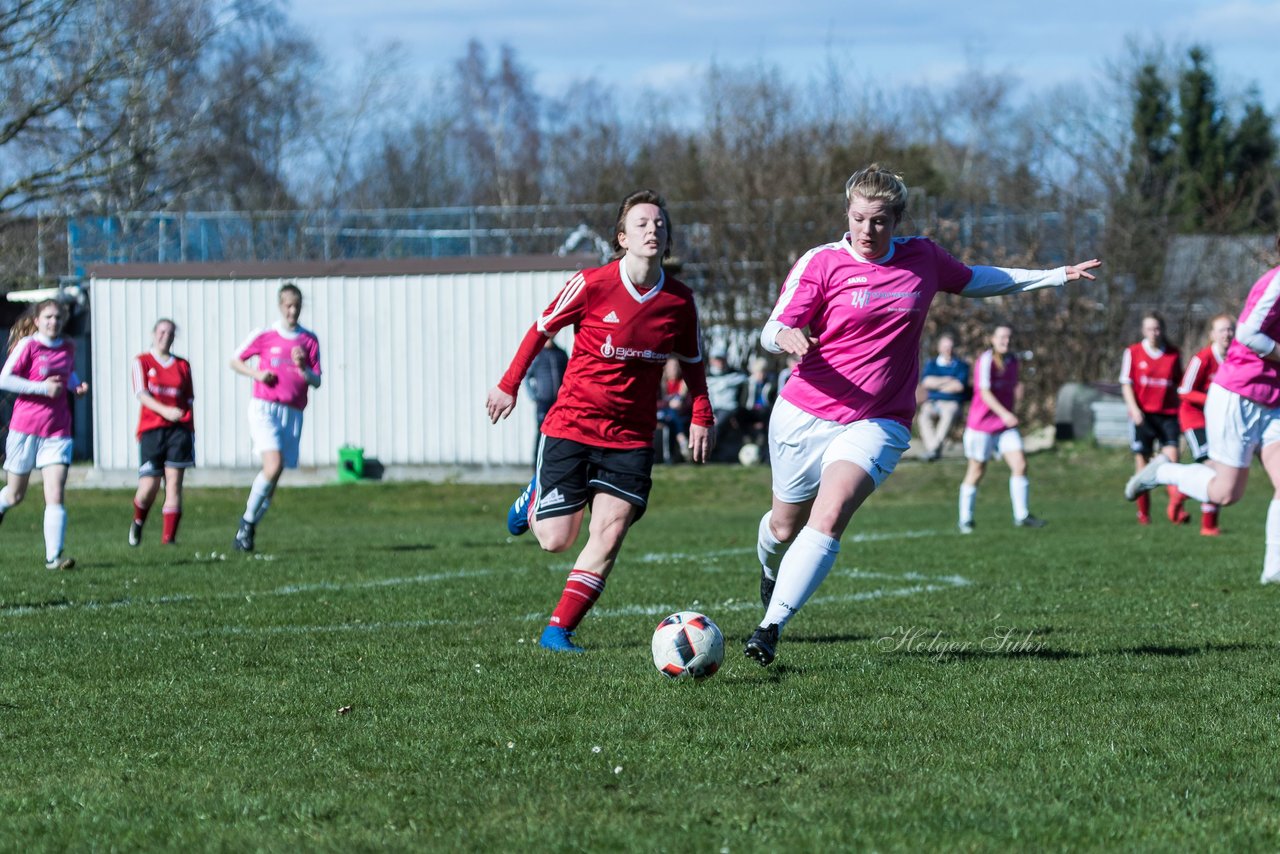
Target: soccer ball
<point>687,644</point>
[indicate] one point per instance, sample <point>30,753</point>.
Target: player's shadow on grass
<point>827,639</point>
<point>992,654</point>
<point>1187,650</point>
<point>408,547</point>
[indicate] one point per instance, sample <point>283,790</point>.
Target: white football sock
<point>55,530</point>
<point>1191,479</point>
<point>968,498</point>
<point>259,499</point>
<point>1206,507</point>
<point>803,568</point>
<point>6,499</point>
<point>1019,488</point>
<point>1271,562</point>
<point>769,548</point>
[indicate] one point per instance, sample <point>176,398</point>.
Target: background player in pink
<point>286,367</point>
<point>1150,371</point>
<point>854,310</point>
<point>1242,418</point>
<point>597,440</point>
<point>166,430</point>
<point>1192,392</point>
<point>41,371</point>
<point>992,429</point>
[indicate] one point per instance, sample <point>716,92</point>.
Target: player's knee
<point>555,538</point>
<point>784,530</point>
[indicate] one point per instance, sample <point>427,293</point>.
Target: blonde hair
<point>877,184</point>
<point>23,327</point>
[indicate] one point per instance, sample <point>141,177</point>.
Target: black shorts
<point>1198,442</point>
<point>569,473</point>
<point>1155,432</point>
<point>166,447</point>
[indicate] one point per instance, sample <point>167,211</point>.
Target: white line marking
<point>669,557</point>
<point>285,590</point>
<point>926,584</point>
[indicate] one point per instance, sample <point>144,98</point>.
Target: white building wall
<point>407,362</point>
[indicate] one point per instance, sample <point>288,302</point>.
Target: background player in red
<point>1193,392</point>
<point>166,430</point>
<point>1149,375</point>
<point>597,440</point>
<point>41,371</point>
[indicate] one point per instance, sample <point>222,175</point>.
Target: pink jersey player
<point>284,363</point>
<point>992,431</point>
<point>1242,419</point>
<point>36,360</point>
<point>854,311</point>
<point>274,348</point>
<point>998,374</point>
<point>40,369</point>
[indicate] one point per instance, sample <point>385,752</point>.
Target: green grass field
<point>1090,685</point>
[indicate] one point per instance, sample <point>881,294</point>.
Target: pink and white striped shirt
<point>1002,383</point>
<point>34,359</point>
<point>1245,371</point>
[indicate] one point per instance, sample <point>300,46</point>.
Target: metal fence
<point>536,229</point>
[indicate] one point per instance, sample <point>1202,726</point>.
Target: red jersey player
<point>1149,377</point>
<point>166,430</point>
<point>597,440</point>
<point>1193,391</point>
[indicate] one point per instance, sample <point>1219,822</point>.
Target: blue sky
<point>662,45</point>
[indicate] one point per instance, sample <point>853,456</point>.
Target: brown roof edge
<point>319,269</point>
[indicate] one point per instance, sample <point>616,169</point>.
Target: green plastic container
<point>350,464</point>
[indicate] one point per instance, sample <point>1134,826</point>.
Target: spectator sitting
<point>674,412</point>
<point>761,392</point>
<point>943,385</point>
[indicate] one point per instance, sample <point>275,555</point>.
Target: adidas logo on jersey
<point>551,498</point>
<point>612,317</point>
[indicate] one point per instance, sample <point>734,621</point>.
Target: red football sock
<point>1176,514</point>
<point>1144,505</point>
<point>140,513</point>
<point>171,520</point>
<point>1209,519</point>
<point>580,592</point>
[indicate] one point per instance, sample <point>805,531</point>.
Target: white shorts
<point>276,427</point>
<point>802,445</point>
<point>1236,428</point>
<point>24,452</point>
<point>980,446</point>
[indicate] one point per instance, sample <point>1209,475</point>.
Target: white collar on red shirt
<point>631,289</point>
<point>165,361</point>
<point>286,332</point>
<point>1220,356</point>
<point>1155,354</point>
